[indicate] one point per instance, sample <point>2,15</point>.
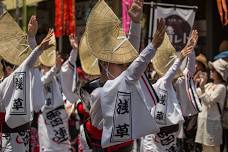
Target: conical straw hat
<point>88,61</point>
<point>14,47</point>
<point>48,57</point>
<point>103,36</point>
<point>165,57</point>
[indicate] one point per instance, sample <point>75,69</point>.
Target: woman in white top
<point>209,130</point>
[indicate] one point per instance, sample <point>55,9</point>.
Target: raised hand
<point>32,26</point>
<point>46,42</point>
<point>159,34</point>
<point>136,10</point>
<point>192,41</point>
<point>59,60</point>
<point>186,51</point>
<point>193,38</point>
<point>203,79</point>
<point>73,41</point>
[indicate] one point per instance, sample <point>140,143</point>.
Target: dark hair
<point>6,64</point>
<point>220,77</point>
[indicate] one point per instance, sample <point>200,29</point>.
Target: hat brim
<point>211,66</point>
<point>104,36</point>
<point>89,62</point>
<point>14,47</point>
<point>48,57</point>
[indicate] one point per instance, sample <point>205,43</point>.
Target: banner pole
<point>150,24</point>
<point>171,5</point>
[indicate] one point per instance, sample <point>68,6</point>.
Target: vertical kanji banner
<point>64,17</point>
<point>125,17</point>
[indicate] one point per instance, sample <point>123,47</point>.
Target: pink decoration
<point>126,20</point>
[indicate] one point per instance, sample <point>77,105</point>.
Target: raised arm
<point>135,12</point>
<point>45,44</point>
<point>139,65</point>
<point>135,35</point>
<point>190,68</point>
<point>170,74</point>
<point>32,30</point>
<point>187,50</point>
<point>49,76</point>
<point>68,72</point>
<point>74,53</point>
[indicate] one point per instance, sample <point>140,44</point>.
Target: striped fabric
<point>191,92</point>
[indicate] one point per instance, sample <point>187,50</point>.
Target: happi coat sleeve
<point>134,35</point>
<point>186,90</point>
<point>68,77</point>
<point>32,42</point>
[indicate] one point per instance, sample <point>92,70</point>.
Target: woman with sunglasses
<point>212,94</point>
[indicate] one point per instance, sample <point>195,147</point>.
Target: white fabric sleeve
<point>96,110</point>
<point>134,35</point>
<point>139,65</point>
<point>73,57</point>
<point>170,74</point>
<point>49,76</point>
<point>190,68</point>
<point>32,42</point>
<point>32,58</point>
<point>215,96</point>
<point>68,77</point>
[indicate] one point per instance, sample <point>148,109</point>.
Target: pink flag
<point>125,17</point>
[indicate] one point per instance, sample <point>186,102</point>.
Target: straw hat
<point>165,57</point>
<point>88,61</point>
<point>48,57</point>
<point>202,59</point>
<point>14,47</point>
<point>104,38</point>
<point>221,66</point>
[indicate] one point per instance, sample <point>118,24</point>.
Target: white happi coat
<point>122,108</point>
<point>53,123</point>
<point>19,101</point>
<point>17,92</point>
<point>167,112</point>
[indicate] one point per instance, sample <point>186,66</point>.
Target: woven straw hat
<point>165,57</point>
<point>14,47</point>
<point>88,61</point>
<point>104,38</point>
<point>48,57</point>
<point>202,59</point>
